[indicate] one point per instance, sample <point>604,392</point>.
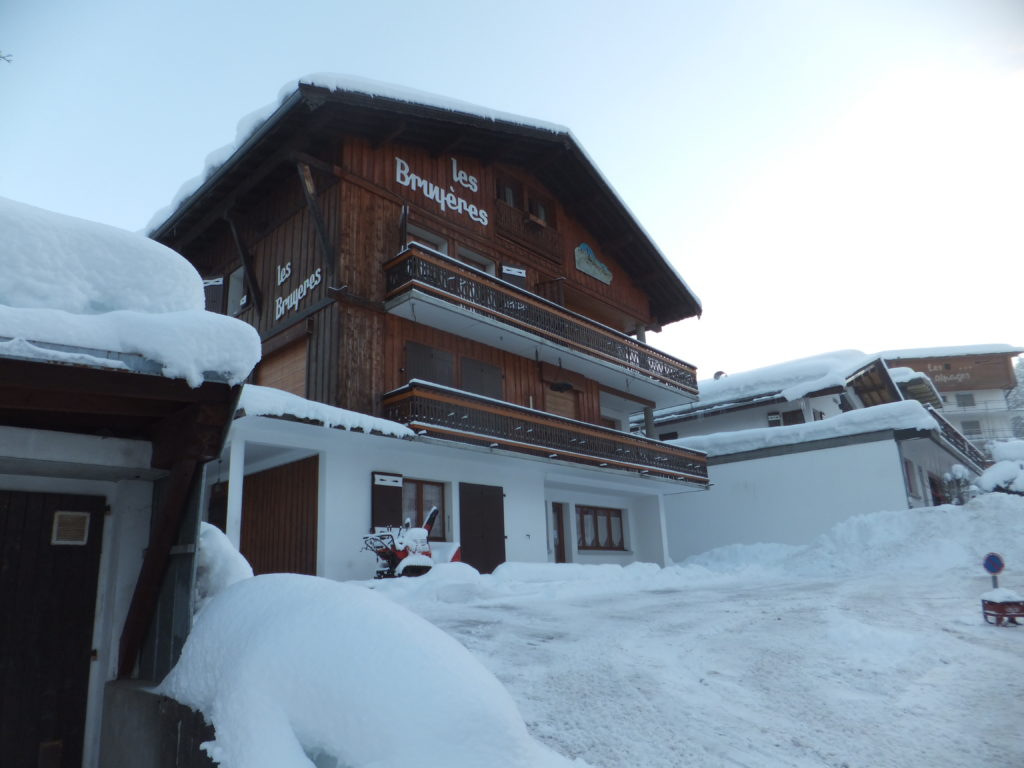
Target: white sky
<point>824,174</point>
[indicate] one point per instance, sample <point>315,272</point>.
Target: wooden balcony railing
<point>464,286</point>
<point>455,415</point>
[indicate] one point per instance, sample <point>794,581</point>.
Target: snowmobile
<point>401,549</point>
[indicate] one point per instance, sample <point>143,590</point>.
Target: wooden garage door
<point>279,518</point>
<point>47,603</point>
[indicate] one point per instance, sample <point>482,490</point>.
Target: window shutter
<point>428,364</point>
<point>386,500</point>
<point>481,378</point>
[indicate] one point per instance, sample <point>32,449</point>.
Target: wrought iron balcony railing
<point>455,415</point>
<point>957,439</point>
<point>452,281</point>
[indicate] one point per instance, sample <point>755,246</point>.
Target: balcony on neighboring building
<point>451,414</point>
<point>432,289</point>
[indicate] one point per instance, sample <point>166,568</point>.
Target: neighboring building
<point>101,440</point>
<point>974,382</point>
<point>795,448</point>
<point>468,274</point>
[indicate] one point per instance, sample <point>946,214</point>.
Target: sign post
<point>994,564</point>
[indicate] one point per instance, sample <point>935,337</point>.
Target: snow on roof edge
<point>267,401</point>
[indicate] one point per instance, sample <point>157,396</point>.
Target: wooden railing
<point>455,415</point>
<point>957,438</point>
<point>452,281</point>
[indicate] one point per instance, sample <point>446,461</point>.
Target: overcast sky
<point>825,175</point>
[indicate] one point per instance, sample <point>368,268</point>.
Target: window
<point>971,428</point>
<point>474,259</point>
<point>541,211</point>
<point>776,419</point>
<point>964,400</point>
<point>908,469</point>
<point>509,191</point>
<point>668,436</point>
<point>418,497</point>
<point>429,364</point>
<point>819,416</point>
<point>431,240</point>
<point>237,298</point>
<point>600,528</point>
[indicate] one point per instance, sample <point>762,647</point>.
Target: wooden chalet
<point>470,275</point>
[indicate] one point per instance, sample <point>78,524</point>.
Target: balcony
<point>959,441</point>
<point>429,288</point>
<point>454,415</point>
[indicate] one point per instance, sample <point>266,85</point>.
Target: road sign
<point>994,563</point>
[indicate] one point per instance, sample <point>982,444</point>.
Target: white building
<point>797,447</point>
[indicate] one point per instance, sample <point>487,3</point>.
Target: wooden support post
<point>154,564</point>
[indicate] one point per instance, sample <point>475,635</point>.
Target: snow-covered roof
<point>267,401</point>
<point>952,351</point>
<point>522,140</point>
<point>906,414</point>
<point>82,293</point>
<point>249,124</point>
<point>787,381</point>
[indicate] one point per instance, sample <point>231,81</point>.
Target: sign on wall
<point>291,301</point>
<point>588,263</point>
<point>449,199</point>
<point>967,372</point>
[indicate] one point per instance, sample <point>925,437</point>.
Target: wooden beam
<point>154,564</point>
<point>390,135</point>
<point>248,273</point>
<point>309,191</point>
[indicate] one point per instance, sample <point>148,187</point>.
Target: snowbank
<point>84,293</point>
<point>291,669</point>
<point>219,565</point>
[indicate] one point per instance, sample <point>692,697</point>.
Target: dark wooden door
<point>47,603</point>
<point>558,530</point>
<point>482,525</point>
<point>279,518</point>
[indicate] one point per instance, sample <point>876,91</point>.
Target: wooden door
<point>558,530</point>
<point>482,525</point>
<point>48,580</point>
<point>279,518</point>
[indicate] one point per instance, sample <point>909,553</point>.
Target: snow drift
<point>295,671</point>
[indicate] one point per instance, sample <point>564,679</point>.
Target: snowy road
<point>857,671</point>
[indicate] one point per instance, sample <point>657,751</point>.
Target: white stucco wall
<point>789,498</point>
<point>348,459</point>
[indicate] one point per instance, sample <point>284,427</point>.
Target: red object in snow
<point>1003,614</point>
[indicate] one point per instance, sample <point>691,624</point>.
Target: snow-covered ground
<point>865,649</point>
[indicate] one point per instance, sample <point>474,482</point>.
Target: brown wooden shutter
<point>385,500</point>
<point>285,368</point>
<point>481,378</point>
<point>429,364</point>
<point>562,403</point>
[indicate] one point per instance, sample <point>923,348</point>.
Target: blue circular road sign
<point>994,563</point>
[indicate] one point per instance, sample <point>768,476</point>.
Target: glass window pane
<point>616,520</point>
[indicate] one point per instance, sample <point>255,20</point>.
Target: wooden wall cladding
<point>523,381</point>
<point>285,368</point>
<point>279,518</point>
<point>378,168</point>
